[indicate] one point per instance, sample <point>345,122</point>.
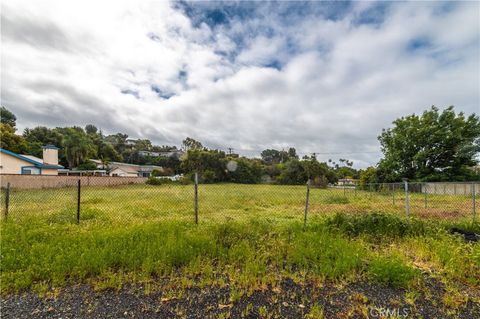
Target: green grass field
<point>250,236</point>
<point>220,202</point>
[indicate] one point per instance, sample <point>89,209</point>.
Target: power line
<point>343,153</point>
<point>317,153</point>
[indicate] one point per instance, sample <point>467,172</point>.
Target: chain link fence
<point>73,202</point>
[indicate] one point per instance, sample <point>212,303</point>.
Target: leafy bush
<point>185,180</point>
<point>245,172</point>
<point>87,166</point>
<point>392,270</point>
<point>158,181</point>
<point>208,176</point>
<point>167,171</point>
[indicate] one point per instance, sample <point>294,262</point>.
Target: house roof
<point>35,161</point>
<point>125,169</point>
<point>129,167</point>
<point>33,158</point>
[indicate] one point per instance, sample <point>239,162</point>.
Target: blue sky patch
<point>375,15</point>
<point>160,92</point>
<point>275,64</point>
<point>131,92</point>
<point>182,75</point>
<point>215,13</point>
<point>418,44</point>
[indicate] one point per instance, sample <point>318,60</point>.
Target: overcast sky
<point>322,77</point>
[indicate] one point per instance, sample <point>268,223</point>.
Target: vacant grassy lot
<point>249,244</point>
<point>220,202</point>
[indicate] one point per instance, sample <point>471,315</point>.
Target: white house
<point>127,170</point>
<point>13,163</point>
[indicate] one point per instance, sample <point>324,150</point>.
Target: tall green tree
<point>272,156</point>
<point>368,176</point>
<point>293,172</point>
<point>316,172</point>
<point>7,117</point>
<point>91,129</point>
<point>210,164</point>
<point>245,171</point>
<point>434,146</point>
<point>78,146</point>
<point>39,136</point>
<point>191,144</point>
<point>118,141</point>
<point>11,141</point>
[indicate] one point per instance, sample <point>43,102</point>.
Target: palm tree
<point>105,162</point>
<point>78,147</point>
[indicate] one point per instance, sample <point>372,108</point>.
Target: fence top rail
<point>420,183</point>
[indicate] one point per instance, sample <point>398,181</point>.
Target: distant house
<point>77,172</point>
<point>174,153</point>
<point>13,163</point>
<point>130,141</point>
<point>127,170</point>
<point>347,182</point>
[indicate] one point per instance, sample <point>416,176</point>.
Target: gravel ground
<point>289,300</point>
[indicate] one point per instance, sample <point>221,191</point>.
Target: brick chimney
<point>50,154</point>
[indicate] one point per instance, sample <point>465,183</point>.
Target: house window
<point>30,171</point>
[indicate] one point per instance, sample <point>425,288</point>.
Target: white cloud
<point>339,84</point>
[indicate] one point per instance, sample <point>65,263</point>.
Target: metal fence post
<point>306,206</point>
<point>393,194</point>
<point>344,190</point>
<point>407,208</point>
<point>473,201</point>
<point>7,200</point>
<point>78,200</point>
<point>425,191</point>
<point>196,198</point>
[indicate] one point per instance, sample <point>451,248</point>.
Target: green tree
<point>105,162</point>
<point>368,176</point>
<point>292,153</point>
<point>245,171</point>
<point>78,146</point>
<point>87,166</point>
<point>293,172</point>
<point>434,146</point>
<point>345,169</point>
<point>316,171</point>
<point>40,136</point>
<point>7,117</point>
<point>106,150</point>
<point>272,156</point>
<point>119,142</point>
<point>191,144</point>
<point>11,141</point>
<point>91,129</point>
<point>210,164</point>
